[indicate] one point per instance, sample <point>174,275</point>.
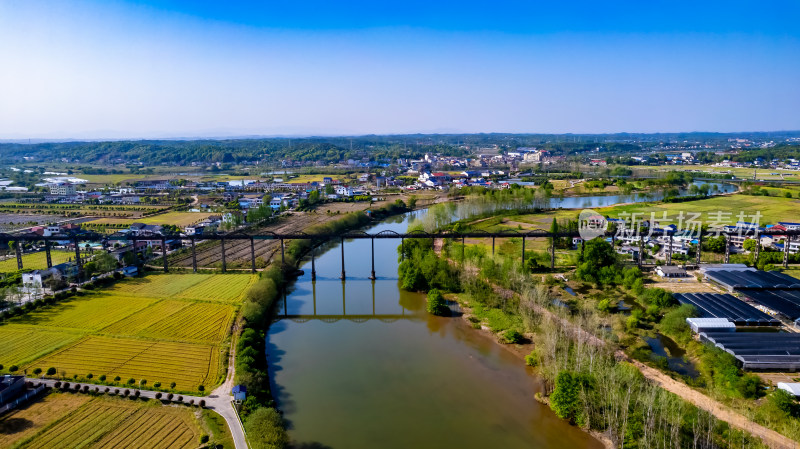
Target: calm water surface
<point>360,364</point>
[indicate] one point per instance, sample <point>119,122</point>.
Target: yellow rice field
<point>91,312</point>
<point>23,423</point>
<point>22,344</point>
<point>105,422</point>
<point>163,328</point>
<point>186,364</point>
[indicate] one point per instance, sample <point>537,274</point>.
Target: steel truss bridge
<point>318,239</point>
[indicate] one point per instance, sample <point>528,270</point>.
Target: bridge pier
<point>669,250</point>
<point>758,250</point>
<point>786,243</point>
<point>342,247</point>
<point>252,255</point>
<point>372,273</point>
<point>18,252</point>
<point>164,253</point>
<point>77,256</point>
<point>283,256</point>
<point>641,251</point>
<point>224,265</point>
<point>727,249</point>
<point>194,256</point>
<point>313,265</point>
<point>47,253</point>
<point>699,248</point>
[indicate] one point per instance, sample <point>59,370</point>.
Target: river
<point>360,364</point>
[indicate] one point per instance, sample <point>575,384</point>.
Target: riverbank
<point>575,331</point>
<point>520,350</point>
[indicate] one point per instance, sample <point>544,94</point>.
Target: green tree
<point>749,245</point>
<point>264,427</point>
<point>565,400</point>
<point>436,303</point>
<point>599,263</point>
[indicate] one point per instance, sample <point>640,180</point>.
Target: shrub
<point>89,376</point>
<point>180,399</point>
<point>102,378</point>
<point>157,385</point>
<point>604,305</point>
<point>65,385</point>
<point>106,390</point>
<point>512,336</point>
<point>202,403</point>
<point>85,388</point>
<point>137,393</point>
<point>126,392</point>
<point>191,402</point>
<point>77,387</point>
<point>532,359</point>
<point>37,371</point>
<point>117,379</point>
<point>201,388</point>
<point>116,391</point>
<point>565,400</point>
<point>158,395</point>
<point>131,381</point>
<point>57,384</point>
<point>170,396</point>
<point>143,382</point>
<point>265,428</point>
<point>436,303</point>
<point>203,439</point>
<point>172,385</point>
<point>12,368</point>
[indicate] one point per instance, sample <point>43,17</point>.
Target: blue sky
<point>117,69</point>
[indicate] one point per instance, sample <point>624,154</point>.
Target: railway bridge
<point>318,239</point>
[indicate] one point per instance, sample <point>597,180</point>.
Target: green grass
<point>762,173</point>
<point>495,319</point>
<point>772,210</point>
<point>36,261</point>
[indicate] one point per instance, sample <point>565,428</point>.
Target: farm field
<point>112,178</point>
<point>36,261</point>
<point>178,320</point>
<point>772,210</point>
<point>22,344</point>
<point>739,172</point>
<point>67,420</point>
<point>186,364</point>
<point>91,312</point>
<point>180,219</point>
<point>223,288</point>
<point>158,285</point>
<point>23,423</point>
<point>140,329</point>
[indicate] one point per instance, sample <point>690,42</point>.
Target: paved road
<point>219,401</point>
